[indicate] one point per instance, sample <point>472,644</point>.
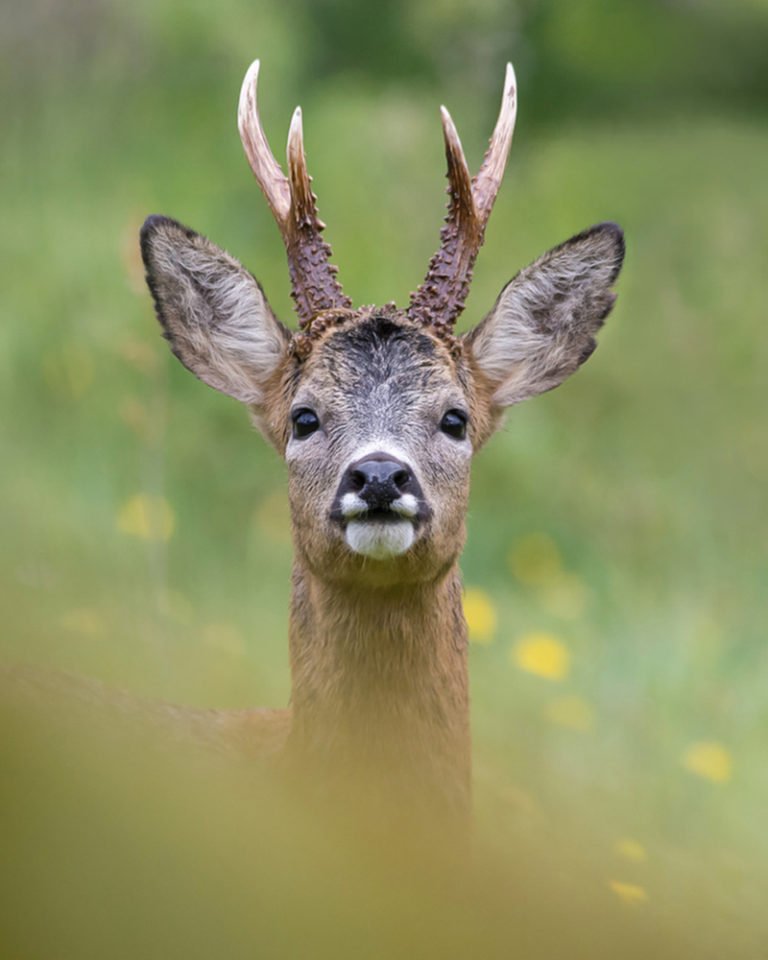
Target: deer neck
<point>380,686</point>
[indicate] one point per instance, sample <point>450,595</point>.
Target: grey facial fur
<point>381,387</point>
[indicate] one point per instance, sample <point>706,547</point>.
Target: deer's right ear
<point>213,312</point>
<point>544,323</point>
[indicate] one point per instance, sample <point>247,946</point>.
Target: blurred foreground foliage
<point>121,845</point>
<point>617,552</point>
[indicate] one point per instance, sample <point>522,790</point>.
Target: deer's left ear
<point>543,326</point>
<point>213,312</point>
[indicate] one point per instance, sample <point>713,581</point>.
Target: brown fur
<point>380,690</point>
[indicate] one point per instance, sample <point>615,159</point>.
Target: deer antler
<point>440,298</point>
<point>293,205</point>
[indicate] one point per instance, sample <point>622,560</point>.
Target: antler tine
<point>459,177</point>
<point>270,178</point>
<point>441,297</point>
<point>304,200</point>
<point>314,284</point>
<point>488,180</point>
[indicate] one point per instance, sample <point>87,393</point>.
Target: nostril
<point>379,480</point>
<point>400,479</point>
<point>357,480</point>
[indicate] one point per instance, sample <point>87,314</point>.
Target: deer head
<point>378,410</point>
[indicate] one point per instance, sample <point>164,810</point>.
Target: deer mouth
<point>379,531</point>
<point>380,515</point>
<point>352,508</point>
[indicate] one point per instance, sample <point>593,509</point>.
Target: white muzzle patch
<point>379,540</point>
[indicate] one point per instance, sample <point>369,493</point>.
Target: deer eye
<point>305,422</point>
<point>454,423</point>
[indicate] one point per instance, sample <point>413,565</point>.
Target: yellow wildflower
<point>542,654</point>
<point>709,760</point>
<point>480,614</point>
<point>631,893</point>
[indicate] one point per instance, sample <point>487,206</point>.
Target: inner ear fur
<point>213,311</point>
<point>543,325</point>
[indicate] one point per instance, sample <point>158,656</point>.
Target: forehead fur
<point>381,344</point>
<point>371,372</point>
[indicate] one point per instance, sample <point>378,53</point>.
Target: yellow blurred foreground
<point>120,842</point>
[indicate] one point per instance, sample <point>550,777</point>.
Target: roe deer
<point>377,412</point>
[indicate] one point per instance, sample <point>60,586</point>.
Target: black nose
<point>379,480</point>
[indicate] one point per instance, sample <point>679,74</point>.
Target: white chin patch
<point>379,540</point>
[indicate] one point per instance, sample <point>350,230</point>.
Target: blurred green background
<point>616,565</point>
